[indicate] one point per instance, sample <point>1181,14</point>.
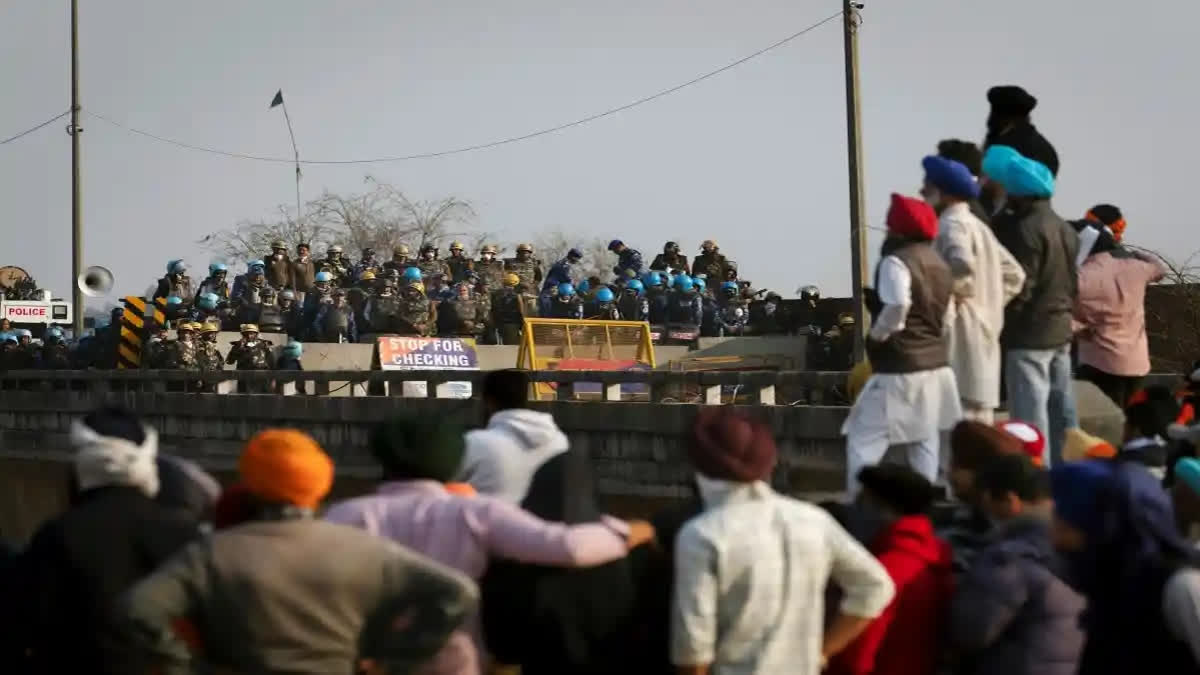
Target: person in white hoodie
<point>501,459</point>
<point>986,277</point>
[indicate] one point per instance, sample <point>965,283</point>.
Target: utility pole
<point>76,204</point>
<point>858,228</point>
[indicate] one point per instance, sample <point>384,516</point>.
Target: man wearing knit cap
<point>986,277</point>
<point>911,397</point>
<point>751,570</point>
<point>285,592</point>
<point>65,584</point>
<point>1037,322</point>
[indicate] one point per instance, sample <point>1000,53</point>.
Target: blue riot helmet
<point>604,294</point>
<point>293,349</point>
<point>23,332</point>
<point>323,277</point>
<point>256,266</point>
<point>174,301</point>
<point>565,290</point>
<point>653,279</point>
<point>207,301</point>
<point>584,286</point>
<point>683,283</point>
<point>176,267</point>
<point>55,332</point>
<point>636,285</point>
<point>217,268</point>
<point>730,288</point>
<point>701,285</point>
<point>412,274</point>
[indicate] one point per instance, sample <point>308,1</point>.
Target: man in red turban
<point>912,397</point>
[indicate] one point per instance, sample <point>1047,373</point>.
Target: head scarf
<point>286,466</point>
<point>728,445</point>
<point>951,177</point>
<point>113,448</point>
<point>911,218</point>
<point>1017,174</point>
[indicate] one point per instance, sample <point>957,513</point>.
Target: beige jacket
<point>285,596</point>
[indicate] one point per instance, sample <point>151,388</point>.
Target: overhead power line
<point>480,146</point>
<point>30,130</point>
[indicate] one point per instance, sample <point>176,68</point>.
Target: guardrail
<point>653,386</point>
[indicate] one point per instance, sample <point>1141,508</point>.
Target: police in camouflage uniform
<point>458,263</point>
<point>156,349</point>
<point>417,316</point>
<point>368,262</point>
<point>181,354</point>
<point>489,269</point>
<point>401,260</point>
<point>462,316</point>
<point>430,264</point>
<point>208,356</point>
<point>335,320</point>
<point>383,310</point>
<point>251,353</point>
<point>527,268</point>
<point>508,315</point>
<point>336,264</point>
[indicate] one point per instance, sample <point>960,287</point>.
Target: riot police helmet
<point>287,294</point>
<point>174,300</point>
<point>323,277</point>
<point>671,248</point>
<point>217,268</point>
<point>653,279</point>
<point>730,287</point>
<point>683,283</point>
<point>565,290</point>
<point>248,329</point>
<point>810,292</point>
<point>604,294</point>
<point>636,285</point>
<point>456,246</point>
<point>400,251</point>
<point>177,267</point>
<point>207,301</point>
<point>701,284</point>
<point>511,280</point>
<point>278,245</point>
<point>584,286</point>
<point>412,274</point>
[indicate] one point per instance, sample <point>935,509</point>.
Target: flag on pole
<point>278,100</point>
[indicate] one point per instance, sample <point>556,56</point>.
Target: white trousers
<point>867,448</point>
<point>978,413</point>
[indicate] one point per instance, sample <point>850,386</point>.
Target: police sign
<point>418,353</point>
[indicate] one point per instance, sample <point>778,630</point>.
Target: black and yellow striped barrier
<point>160,313</point>
<point>133,323</point>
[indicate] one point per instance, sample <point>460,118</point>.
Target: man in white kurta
<point>911,398</point>
<point>986,276</point>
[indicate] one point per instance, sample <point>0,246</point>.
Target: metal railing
<point>654,386</point>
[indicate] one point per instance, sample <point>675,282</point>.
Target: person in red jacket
<point>907,638</point>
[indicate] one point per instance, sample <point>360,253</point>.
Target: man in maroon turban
<point>912,397</point>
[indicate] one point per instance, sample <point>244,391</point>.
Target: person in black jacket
<point>1037,323</point>
<point>62,600</point>
<point>1008,123</point>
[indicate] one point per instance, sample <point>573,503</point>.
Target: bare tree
<point>552,244</point>
<point>1173,314</point>
<point>252,239</point>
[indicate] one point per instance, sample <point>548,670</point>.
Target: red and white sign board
<point>33,311</point>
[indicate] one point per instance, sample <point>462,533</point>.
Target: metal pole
<point>858,230</point>
<point>296,153</point>
<point>76,201</point>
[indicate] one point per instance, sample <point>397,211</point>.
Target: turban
<point>912,218</point>
<point>972,444</point>
<point>286,466</point>
<point>1077,489</point>
<point>951,177</point>
<point>1032,440</point>
<point>113,447</point>
<point>1011,100</point>
<point>1019,175</point>
<point>414,447</point>
<point>1109,216</point>
<point>899,487</point>
<point>1187,472</point>
<point>727,445</point>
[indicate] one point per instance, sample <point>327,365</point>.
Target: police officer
<point>566,304</point>
<point>54,354</point>
<point>368,262</point>
<point>461,317</point>
<point>560,271</point>
<point>731,320</point>
<point>437,289</point>
<point>176,283</point>
<point>418,316</point>
<point>208,308</point>
<point>215,283</point>
<point>250,353</point>
<point>335,263</point>
<point>24,355</point>
<point>458,264</point>
<point>181,354</point>
<point>175,309</point>
<point>382,311</point>
<point>334,320</point>
<point>304,270</point>
<point>279,266</point>
<point>508,312</point>
<point>685,306</point>
<point>270,319</point>
<point>410,276</point>
<point>289,356</point>
<point>208,356</point>
<point>526,267</point>
<point>321,294</point>
<point>656,298</point>
<point>711,262</point>
<point>401,259</point>
<point>627,259</point>
<point>156,349</point>
<point>489,268</point>
<point>670,260</point>
<point>429,263</point>
<point>289,310</point>
<point>367,282</point>
<point>603,306</point>
<point>632,302</point>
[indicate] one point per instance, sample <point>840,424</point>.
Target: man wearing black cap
<point>1008,124</point>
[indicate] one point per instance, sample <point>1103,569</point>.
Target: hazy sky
<point>754,158</point>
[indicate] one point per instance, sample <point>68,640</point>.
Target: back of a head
<point>973,443</point>
<point>507,389</point>
<point>963,152</point>
<point>415,447</point>
<point>113,448</point>
<point>899,488</point>
<point>1013,474</point>
<point>116,422</point>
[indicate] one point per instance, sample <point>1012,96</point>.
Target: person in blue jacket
<point>560,272</point>
<point>627,259</point>
<point>566,304</point>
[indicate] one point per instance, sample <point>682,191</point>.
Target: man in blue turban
<point>1037,332</point>
<point>986,277</point>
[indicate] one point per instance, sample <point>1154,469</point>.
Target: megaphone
<point>95,281</point>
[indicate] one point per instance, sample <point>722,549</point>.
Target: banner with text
<point>418,353</point>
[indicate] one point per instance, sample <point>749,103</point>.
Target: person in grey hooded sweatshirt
<point>501,459</point>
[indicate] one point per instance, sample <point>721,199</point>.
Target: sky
<point>754,158</point>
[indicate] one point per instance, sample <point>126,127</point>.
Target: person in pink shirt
<point>1110,317</point>
<point>413,507</point>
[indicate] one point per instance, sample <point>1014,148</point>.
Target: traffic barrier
<point>133,323</point>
